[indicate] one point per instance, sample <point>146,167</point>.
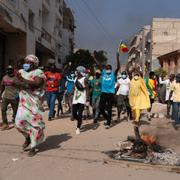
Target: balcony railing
<point>45,35</point>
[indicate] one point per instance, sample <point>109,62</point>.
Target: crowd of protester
<point>81,90</point>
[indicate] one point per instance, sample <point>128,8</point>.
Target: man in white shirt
<point>168,83</point>
<point>122,92</point>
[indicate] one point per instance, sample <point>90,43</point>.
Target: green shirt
<point>96,86</point>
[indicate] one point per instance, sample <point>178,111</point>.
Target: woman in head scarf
<point>138,99</point>
<point>29,118</point>
<point>138,96</point>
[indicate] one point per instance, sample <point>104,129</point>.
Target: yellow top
<point>138,95</point>
<point>175,87</point>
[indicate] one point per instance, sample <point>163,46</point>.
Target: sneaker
<point>107,126</point>
<point>49,119</point>
<point>54,114</point>
<point>5,127</point>
<point>95,121</point>
<point>78,131</point>
<point>105,123</point>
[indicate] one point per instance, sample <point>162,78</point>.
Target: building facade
<point>31,27</point>
<point>68,32</point>
<point>141,41</point>
<point>170,62</point>
<point>161,38</point>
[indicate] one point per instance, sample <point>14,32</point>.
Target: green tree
<point>84,58</point>
<point>161,72</point>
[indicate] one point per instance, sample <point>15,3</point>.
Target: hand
<point>93,56</point>
<point>87,103</point>
<point>19,76</point>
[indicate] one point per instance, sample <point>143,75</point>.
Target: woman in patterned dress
<point>29,118</point>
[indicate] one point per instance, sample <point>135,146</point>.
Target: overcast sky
<point>102,24</point>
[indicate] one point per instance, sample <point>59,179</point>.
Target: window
<point>31,20</point>
<point>59,60</point>
<point>165,33</point>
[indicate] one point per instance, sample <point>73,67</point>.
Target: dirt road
<point>67,156</point>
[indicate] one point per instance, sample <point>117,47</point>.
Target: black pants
<point>77,111</point>
<point>4,105</point>
<point>169,105</point>
<point>123,104</point>
<point>105,106</point>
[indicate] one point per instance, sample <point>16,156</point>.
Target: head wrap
<point>32,58</point>
<point>81,70</point>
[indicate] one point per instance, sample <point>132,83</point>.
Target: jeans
<point>5,103</point>
<point>176,110</point>
<point>51,98</point>
<point>95,105</point>
<point>105,105</point>
<point>77,111</point>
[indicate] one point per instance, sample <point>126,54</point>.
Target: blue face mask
<point>26,67</point>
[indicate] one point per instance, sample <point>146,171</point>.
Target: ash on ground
<point>144,150</point>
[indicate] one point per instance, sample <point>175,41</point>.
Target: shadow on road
<point>54,142</point>
<point>88,127</point>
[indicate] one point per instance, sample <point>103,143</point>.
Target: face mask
<point>123,76</point>
<point>136,77</point>
<point>83,74</point>
<point>26,67</point>
<point>108,71</point>
<point>10,72</point>
<point>98,75</point>
<point>72,76</point>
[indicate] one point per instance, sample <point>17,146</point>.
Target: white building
<point>68,32</point>
<point>161,38</point>
<point>31,27</point>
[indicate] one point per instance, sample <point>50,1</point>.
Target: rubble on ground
<point>145,150</point>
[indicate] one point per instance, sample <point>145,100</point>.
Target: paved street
<point>66,156</point>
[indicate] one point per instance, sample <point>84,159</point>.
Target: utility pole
<point>143,51</point>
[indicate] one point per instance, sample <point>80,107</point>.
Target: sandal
<point>32,152</point>
<point>26,143</point>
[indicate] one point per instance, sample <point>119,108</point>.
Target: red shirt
<point>52,83</point>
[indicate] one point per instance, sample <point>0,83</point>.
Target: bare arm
<point>170,95</point>
<point>161,81</point>
<point>87,90</point>
<point>28,84</point>
<point>96,61</point>
<point>118,64</point>
<point>2,88</point>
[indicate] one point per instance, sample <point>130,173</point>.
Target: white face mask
<point>136,77</point>
<point>123,76</point>
<point>108,71</point>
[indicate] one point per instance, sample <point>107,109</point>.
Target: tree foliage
<point>161,72</point>
<point>84,58</point>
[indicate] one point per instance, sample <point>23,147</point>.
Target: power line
<point>94,23</point>
<point>98,21</point>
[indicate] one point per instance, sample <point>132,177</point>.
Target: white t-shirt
<point>80,96</point>
<point>168,84</point>
<point>124,85</point>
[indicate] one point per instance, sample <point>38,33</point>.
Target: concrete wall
<point>15,48</point>
<point>165,36</point>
